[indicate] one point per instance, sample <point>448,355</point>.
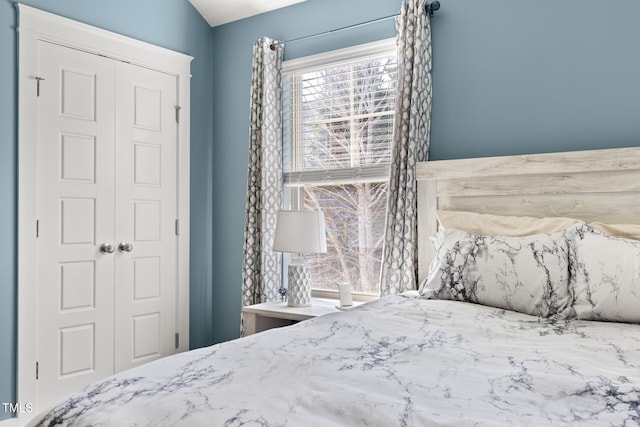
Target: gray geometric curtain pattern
<point>410,145</point>
<point>261,270</point>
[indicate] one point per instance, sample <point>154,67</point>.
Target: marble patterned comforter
<point>396,361</point>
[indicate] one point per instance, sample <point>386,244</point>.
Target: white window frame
<point>298,179</point>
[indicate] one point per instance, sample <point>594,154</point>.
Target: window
<point>338,113</point>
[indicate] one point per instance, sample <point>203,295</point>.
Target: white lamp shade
<point>300,232</point>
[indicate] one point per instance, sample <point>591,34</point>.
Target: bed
<point>412,361</point>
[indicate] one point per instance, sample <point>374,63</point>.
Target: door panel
<point>75,209</point>
<point>145,290</point>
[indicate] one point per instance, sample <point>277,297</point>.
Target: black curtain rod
<point>429,9</point>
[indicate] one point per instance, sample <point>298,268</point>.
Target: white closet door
<point>146,191</point>
<point>75,293</point>
<point>107,165</point>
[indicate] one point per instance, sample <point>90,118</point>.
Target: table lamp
<point>300,232</point>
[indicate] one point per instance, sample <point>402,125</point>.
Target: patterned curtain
<point>410,145</point>
<point>261,269</point>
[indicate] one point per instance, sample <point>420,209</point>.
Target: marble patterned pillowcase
<point>605,275</point>
<point>528,274</point>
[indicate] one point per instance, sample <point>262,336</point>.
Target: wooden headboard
<point>597,185</point>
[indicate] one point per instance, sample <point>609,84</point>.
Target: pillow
<point>527,274</point>
<point>628,231</point>
<point>498,225</point>
<point>605,275</point>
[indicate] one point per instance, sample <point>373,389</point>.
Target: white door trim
<point>36,25</point>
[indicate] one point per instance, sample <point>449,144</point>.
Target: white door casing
<point>79,206</point>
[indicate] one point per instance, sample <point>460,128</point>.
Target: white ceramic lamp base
<point>299,283</point>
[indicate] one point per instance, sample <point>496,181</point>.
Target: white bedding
<point>396,361</point>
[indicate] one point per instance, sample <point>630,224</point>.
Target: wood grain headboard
<point>597,185</point>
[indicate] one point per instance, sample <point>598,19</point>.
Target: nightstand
<point>260,317</point>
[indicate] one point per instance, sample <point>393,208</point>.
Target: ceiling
<point>218,12</point>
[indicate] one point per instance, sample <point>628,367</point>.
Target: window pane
<point>375,85</point>
<point>354,216</point>
<point>340,116</point>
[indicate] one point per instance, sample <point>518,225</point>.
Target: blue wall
<point>515,77</point>
<point>509,77</point>
<point>173,24</point>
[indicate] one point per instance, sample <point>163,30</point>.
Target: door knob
<point>107,248</point>
<point>125,247</point>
